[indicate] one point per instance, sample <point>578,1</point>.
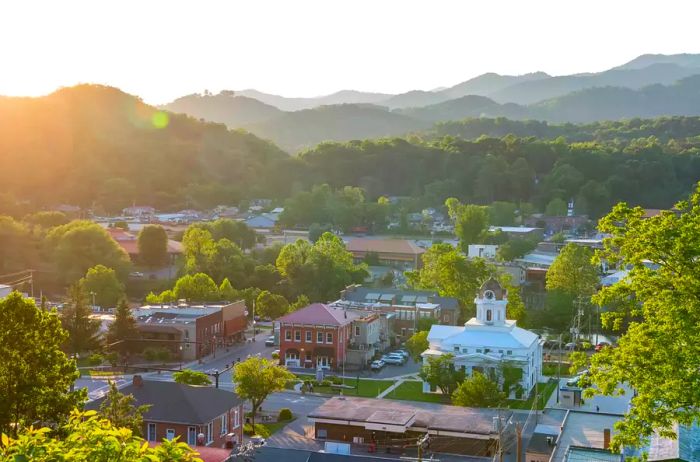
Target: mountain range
<point>647,86</point>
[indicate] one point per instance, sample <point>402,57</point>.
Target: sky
<point>160,50</point>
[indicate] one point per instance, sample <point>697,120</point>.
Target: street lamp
<point>93,300</point>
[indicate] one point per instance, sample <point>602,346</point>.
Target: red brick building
<point>315,336</point>
<point>198,415</point>
<point>192,331</point>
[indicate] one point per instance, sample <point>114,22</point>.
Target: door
<point>192,436</point>
<point>323,362</point>
<point>169,434</point>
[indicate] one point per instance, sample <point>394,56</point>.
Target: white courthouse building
<point>489,341</point>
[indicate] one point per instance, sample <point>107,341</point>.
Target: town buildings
<point>191,331</point>
<point>197,415</point>
<point>406,307</point>
<point>129,242</point>
<point>316,336</point>
<point>489,341</point>
<point>389,426</point>
<point>398,253</point>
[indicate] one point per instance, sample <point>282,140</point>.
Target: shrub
<point>285,414</point>
<point>326,383</point>
<point>96,359</point>
<point>275,355</point>
<point>336,380</point>
<point>260,430</point>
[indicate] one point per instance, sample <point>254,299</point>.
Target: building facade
<point>398,253</point>
<point>192,331</point>
<point>489,342</point>
<point>316,336</point>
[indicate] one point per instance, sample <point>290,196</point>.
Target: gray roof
<point>176,403</point>
<point>360,295</point>
<point>267,453</point>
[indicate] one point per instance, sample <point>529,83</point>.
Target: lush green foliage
<point>659,354</point>
<point>196,287</point>
<point>153,246</point>
<point>35,374</point>
<point>417,344</point>
<point>190,377</point>
<point>257,377</point>
<point>478,390</point>
<point>102,282</point>
<point>80,245</point>
<point>471,221</point>
<point>440,372</point>
<point>320,270</point>
<point>285,414</point>
<point>87,438</point>
<point>271,306</point>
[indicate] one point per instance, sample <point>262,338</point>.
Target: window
<point>329,338</point>
<point>224,424</point>
<point>357,331</point>
<point>308,356</point>
<point>169,434</point>
<point>236,418</point>
<point>478,350</point>
<point>509,352</point>
<point>288,335</point>
<point>322,434</point>
<point>192,436</point>
<point>488,315</point>
<point>151,432</point>
<point>308,336</point>
<point>319,337</point>
<point>210,432</point>
<point>297,336</point>
<point>500,351</point>
<point>456,347</point>
<point>465,350</point>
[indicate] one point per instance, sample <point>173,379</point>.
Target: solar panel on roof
<point>421,299</point>
<point>372,297</point>
<point>408,298</point>
<point>386,297</point>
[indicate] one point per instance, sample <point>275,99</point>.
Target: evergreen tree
<point>83,332</point>
<point>119,409</point>
<point>122,328</point>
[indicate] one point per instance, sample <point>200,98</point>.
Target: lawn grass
<point>413,391</point>
<point>365,388</point>
<point>545,391</point>
<point>274,427</point>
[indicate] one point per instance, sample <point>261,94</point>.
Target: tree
<point>35,374</point>
<point>658,355</point>
<point>478,391</point>
<point>573,271</point>
<point>80,245</point>
<point>17,251</point>
<point>226,290</point>
<point>302,301</point>
<point>190,377</point>
<point>424,324</point>
<point>46,220</point>
<point>88,438</point>
<point>452,274</point>
<point>119,409</point>
<point>471,221</point>
<point>196,287</point>
<point>440,372</point>
<point>153,246</point>
<point>515,248</point>
<point>502,213</point>
<point>256,378</point>
<point>320,270</point>
<point>556,208</point>
<point>515,308</point>
<point>83,331</point>
<point>417,344</point>
<point>102,282</point>
<point>123,328</point>
<point>271,306</point>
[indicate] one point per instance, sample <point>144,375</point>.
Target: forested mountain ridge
<point>92,143</point>
<point>297,104</point>
<point>225,107</point>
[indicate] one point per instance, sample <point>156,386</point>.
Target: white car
<point>403,353</point>
<point>395,360</point>
<point>377,365</point>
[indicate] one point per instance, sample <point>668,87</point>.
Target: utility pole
<point>253,319</point>
<point>519,441</point>
<point>559,369</point>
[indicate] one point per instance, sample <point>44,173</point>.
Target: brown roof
<point>384,246</point>
<point>320,314</point>
<point>129,242</point>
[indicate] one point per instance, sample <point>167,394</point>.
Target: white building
<point>5,290</point>
<point>489,341</point>
<point>487,251</point>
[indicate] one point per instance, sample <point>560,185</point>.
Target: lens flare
<point>160,119</point>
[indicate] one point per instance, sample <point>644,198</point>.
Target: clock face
<point>489,295</point>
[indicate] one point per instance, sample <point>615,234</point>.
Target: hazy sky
<point>163,49</point>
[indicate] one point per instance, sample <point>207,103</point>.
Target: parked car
<point>136,275</point>
<point>403,353</point>
<point>377,365</point>
<point>396,360</point>
<point>601,345</point>
<point>270,341</point>
<point>257,440</point>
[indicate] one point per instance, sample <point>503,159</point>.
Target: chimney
<point>137,381</point>
<point>606,438</point>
